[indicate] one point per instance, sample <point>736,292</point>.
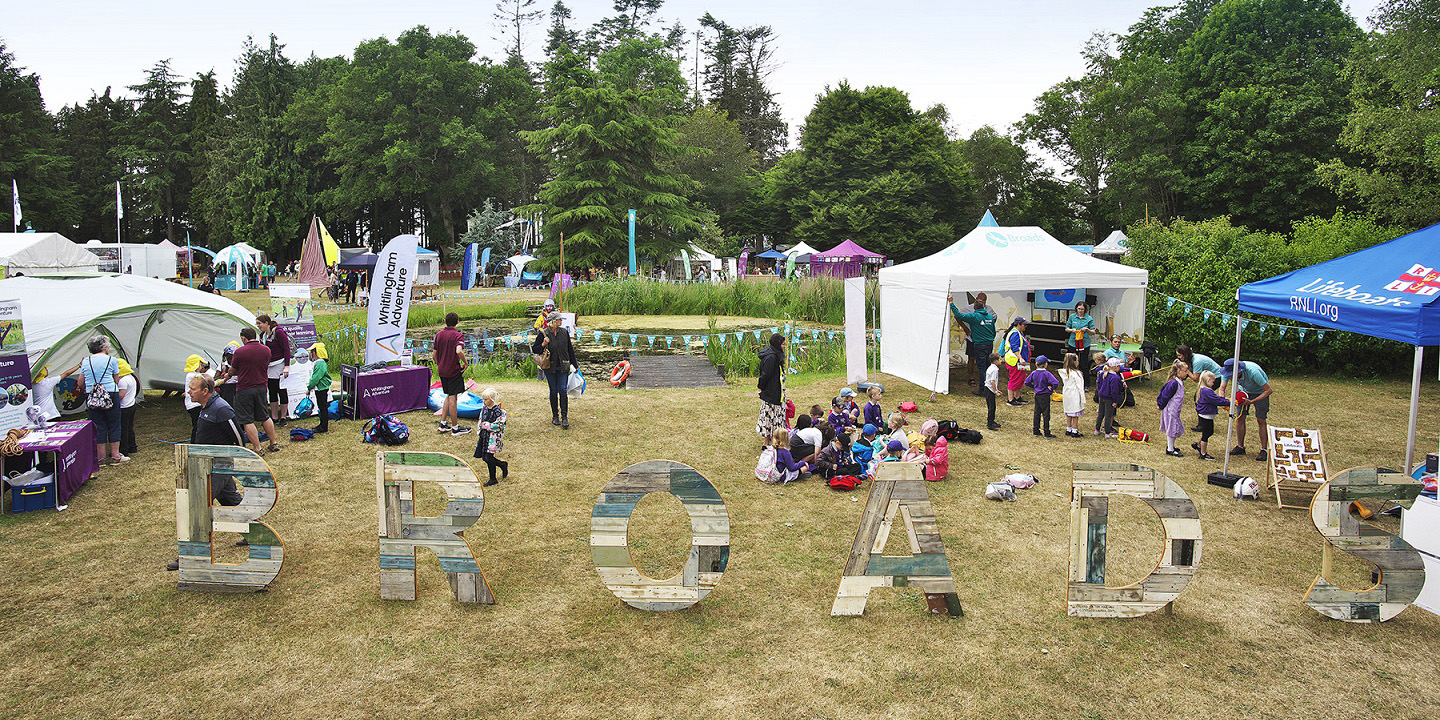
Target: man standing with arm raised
<point>980,338</point>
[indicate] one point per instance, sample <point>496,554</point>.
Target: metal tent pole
<point>1414,408</point>
<point>1234,386</point>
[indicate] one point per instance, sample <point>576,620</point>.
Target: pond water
<point>596,358</point>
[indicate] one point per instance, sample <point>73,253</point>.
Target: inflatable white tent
<point>34,253</point>
<point>1115,245</point>
<point>1006,263</point>
<point>152,323</point>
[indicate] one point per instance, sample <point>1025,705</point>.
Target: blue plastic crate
<point>37,496</point>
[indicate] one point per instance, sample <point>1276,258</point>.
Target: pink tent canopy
<point>312,258</point>
<point>847,250</point>
<point>844,260</point>
<point>167,244</point>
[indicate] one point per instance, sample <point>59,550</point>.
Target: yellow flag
<point>332,251</point>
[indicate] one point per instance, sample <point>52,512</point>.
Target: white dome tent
<point>1006,263</point>
<point>152,323</point>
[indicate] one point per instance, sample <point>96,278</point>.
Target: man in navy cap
<point>1255,384</point>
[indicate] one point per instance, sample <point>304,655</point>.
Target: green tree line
<point>1265,112</point>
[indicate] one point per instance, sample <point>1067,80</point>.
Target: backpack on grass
<point>386,430</point>
<point>765,470</point>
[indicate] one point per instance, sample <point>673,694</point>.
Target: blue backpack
<point>301,433</point>
<point>386,430</point>
<point>304,407</point>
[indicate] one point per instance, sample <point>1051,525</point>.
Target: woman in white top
<point>100,369</point>
<point>1073,393</point>
<point>129,393</point>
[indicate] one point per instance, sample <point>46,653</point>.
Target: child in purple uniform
<point>873,415</point>
<point>1043,382</point>
<point>789,470</point>
<point>1207,406</point>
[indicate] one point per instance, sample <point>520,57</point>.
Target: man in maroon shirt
<point>275,338</point>
<point>250,365</point>
<point>450,366</point>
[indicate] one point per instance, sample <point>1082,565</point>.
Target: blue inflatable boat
<point>470,404</point>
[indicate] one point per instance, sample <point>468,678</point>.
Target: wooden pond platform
<point>672,371</point>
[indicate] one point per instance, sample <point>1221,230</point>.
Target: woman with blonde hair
<point>491,423</point>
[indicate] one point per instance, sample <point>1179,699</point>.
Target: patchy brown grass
<point>94,627</point>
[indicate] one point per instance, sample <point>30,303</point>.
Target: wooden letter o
<point>709,540</point>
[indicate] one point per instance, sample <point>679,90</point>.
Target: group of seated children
<point>849,441</point>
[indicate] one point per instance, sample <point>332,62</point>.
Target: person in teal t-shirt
<point>1082,324</point>
<point>980,336</point>
<point>1256,384</point>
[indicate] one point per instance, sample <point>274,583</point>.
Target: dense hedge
<point>1205,263</point>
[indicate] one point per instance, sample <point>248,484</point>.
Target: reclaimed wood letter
<point>899,489</point>
<point>1402,572</point>
<point>1090,489</point>
<point>203,467</point>
<point>402,533</point>
<point>709,540</point>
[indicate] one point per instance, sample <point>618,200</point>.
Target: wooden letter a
<point>899,489</point>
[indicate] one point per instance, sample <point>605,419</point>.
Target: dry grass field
<point>93,626</point>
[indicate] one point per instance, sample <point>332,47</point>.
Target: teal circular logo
<point>957,247</point>
<point>997,239</point>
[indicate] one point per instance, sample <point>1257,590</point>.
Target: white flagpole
<point>15,196</point>
<point>119,213</point>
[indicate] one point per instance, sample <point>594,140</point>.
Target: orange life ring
<point>621,371</point>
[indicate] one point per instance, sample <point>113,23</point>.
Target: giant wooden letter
<point>402,533</point>
<point>1402,572</point>
<point>1090,489</point>
<point>899,488</point>
<point>201,467</point>
<point>709,541</point>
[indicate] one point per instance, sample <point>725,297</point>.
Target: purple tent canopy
<point>844,260</point>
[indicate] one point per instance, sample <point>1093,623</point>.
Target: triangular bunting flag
<point>1260,327</point>
<point>1169,301</point>
<point>687,340</point>
<point>651,340</point>
<point>1282,331</point>
<point>1319,334</point>
<point>632,340</point>
<point>1207,314</point>
<point>1302,332</point>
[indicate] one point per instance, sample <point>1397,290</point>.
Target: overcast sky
<point>986,61</point>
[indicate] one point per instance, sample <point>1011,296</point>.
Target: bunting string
<point>1207,314</point>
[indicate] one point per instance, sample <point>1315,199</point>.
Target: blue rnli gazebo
<point>1387,291</point>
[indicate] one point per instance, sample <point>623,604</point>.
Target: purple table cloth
<point>73,443</point>
<point>392,390</point>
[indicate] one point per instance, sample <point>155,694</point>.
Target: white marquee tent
<point>152,323</point>
<point>1006,263</point>
<point>32,253</point>
<point>1116,244</point>
<point>802,252</point>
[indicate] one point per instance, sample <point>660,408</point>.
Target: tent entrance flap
<point>915,331</point>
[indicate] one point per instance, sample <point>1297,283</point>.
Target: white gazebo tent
<point>801,252</point>
<point>152,323</point>
<point>1006,263</point>
<point>1116,245</point>
<point>35,253</point>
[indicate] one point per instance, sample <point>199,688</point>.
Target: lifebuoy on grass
<point>621,371</point>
